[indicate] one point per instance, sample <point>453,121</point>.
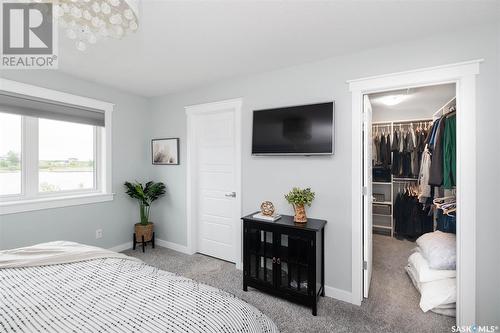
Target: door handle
<point>230,194</point>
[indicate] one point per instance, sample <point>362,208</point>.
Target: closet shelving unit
<point>389,201</point>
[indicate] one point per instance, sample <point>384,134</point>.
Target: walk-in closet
<point>413,150</point>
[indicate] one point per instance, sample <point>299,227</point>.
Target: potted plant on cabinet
<point>298,197</point>
<point>146,194</point>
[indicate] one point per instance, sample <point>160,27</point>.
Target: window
<point>10,154</point>
<point>66,156</point>
<point>53,153</point>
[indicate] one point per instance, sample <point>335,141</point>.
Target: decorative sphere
<point>267,208</point>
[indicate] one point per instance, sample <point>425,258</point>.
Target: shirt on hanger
<point>450,152</point>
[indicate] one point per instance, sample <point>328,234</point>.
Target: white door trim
<point>464,75</point>
<point>191,112</point>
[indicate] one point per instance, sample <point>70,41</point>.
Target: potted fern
<point>146,194</point>
<point>298,197</point>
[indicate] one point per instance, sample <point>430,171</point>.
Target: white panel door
<point>367,197</point>
<point>217,210</point>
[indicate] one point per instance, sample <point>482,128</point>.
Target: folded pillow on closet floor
<point>445,312</point>
<point>438,294</point>
<point>427,274</point>
<point>446,306</point>
<point>439,249</point>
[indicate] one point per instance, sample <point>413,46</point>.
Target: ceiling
<point>422,100</point>
<point>184,44</point>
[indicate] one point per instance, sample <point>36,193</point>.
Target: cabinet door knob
<point>274,260</point>
<point>278,261</point>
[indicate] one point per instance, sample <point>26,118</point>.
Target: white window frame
<point>30,198</point>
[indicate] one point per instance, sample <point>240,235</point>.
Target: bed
<point>70,287</point>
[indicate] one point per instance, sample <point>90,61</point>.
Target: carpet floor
<point>392,305</point>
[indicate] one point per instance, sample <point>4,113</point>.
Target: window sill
<point>12,207</point>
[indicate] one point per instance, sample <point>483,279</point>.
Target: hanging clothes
<point>436,170</point>
<point>450,152</point>
<point>411,218</point>
<point>406,155</point>
<point>414,154</point>
<point>396,160</point>
<point>383,151</point>
<point>376,151</point>
<point>432,139</point>
<point>430,133</point>
<point>388,149</point>
<point>423,179</point>
<point>420,148</point>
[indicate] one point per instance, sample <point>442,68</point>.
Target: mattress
<point>102,291</point>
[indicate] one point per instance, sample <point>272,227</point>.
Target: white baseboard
<point>339,294</point>
<point>159,242</point>
<point>121,247</point>
<point>172,246</point>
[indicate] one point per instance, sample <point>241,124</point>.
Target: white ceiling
<point>422,100</point>
<point>183,44</point>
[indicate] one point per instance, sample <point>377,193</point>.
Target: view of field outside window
<point>66,156</point>
<point>10,154</point>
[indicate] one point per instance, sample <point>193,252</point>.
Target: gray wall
<point>330,177</point>
<point>130,161</point>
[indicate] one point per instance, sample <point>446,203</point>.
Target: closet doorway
<point>462,76</point>
<point>409,126</point>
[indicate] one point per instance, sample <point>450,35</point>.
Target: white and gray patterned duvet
<point>118,295</point>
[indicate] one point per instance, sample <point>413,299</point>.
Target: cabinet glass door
<point>260,253</point>
<point>294,255</point>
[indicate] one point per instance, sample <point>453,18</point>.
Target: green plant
<point>145,195</point>
<point>298,196</point>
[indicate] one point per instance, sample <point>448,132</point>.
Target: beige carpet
<point>391,307</point>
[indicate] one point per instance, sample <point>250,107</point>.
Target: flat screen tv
<point>294,130</point>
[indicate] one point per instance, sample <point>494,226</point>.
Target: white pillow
<point>426,274</point>
<point>446,306</point>
<point>452,312</point>
<point>439,249</point>
<point>440,294</point>
<point>413,276</point>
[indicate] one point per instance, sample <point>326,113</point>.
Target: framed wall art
<point>165,151</point>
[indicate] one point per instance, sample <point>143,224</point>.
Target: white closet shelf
<point>404,179</point>
<point>382,203</point>
<point>382,227</point>
<point>387,215</point>
<point>381,183</point>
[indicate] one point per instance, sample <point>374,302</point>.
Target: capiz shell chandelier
<point>88,21</point>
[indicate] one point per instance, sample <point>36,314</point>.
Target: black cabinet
<point>285,258</point>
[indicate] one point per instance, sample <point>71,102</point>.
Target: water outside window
<point>66,156</point>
